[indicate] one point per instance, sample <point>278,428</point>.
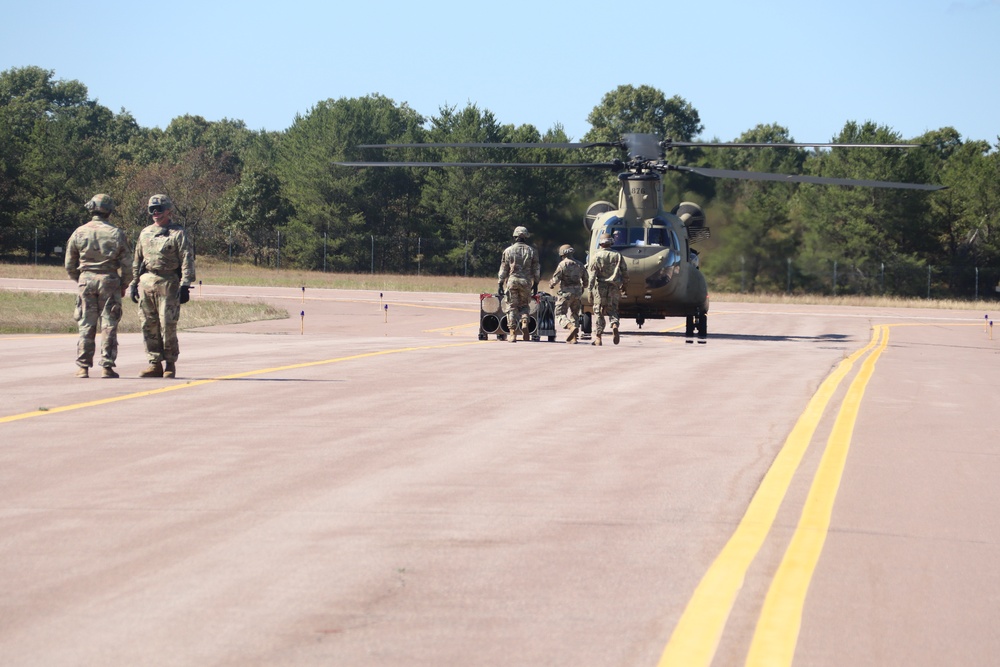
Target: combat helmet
<point>520,231</point>
<point>565,250</point>
<point>161,200</point>
<point>101,204</point>
<point>606,240</point>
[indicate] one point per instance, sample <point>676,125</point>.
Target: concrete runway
<point>362,486</point>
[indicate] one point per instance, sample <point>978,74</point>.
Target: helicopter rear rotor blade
<point>790,178</point>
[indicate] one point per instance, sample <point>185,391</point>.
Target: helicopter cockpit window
<point>657,236</point>
<point>637,236</point>
<point>618,231</point>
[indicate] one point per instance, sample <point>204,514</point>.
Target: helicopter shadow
<point>822,338</point>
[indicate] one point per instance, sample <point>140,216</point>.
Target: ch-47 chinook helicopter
<point>664,275</point>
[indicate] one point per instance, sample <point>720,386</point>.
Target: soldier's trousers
<point>606,298</point>
<point>159,310</point>
<point>517,302</point>
<point>99,301</point>
<point>568,305</point>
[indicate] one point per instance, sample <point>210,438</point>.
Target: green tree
<point>760,235</point>
<point>863,228</point>
<point>56,149</point>
<point>345,204</point>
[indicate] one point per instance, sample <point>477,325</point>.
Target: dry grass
<point>30,312</point>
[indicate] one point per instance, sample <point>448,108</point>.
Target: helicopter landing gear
<point>698,320</point>
<point>640,320</point>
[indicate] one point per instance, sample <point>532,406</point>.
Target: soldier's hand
<point>184,293</point>
<point>500,288</point>
<point>133,292</point>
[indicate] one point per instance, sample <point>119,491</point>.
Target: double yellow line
<point>699,630</point>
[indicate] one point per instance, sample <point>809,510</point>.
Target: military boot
<point>614,333</point>
<point>524,327</point>
<point>82,372</point>
<point>155,370</point>
<point>108,372</point>
<point>597,340</point>
<point>169,370</point>
<point>571,338</point>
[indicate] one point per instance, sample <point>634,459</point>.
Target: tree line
<point>265,197</point>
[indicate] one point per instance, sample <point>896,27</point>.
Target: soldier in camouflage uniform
<point>608,282</point>
<point>164,271</point>
<point>571,276</point>
<point>95,253</point>
<point>519,274</point>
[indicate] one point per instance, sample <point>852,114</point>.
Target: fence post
<point>977,283</point>
<point>835,277</point>
<point>373,254</point>
<point>743,274</point>
<point>928,281</point>
<point>788,289</point>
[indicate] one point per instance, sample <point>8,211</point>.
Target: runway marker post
<point>303,294</point>
<point>302,322</point>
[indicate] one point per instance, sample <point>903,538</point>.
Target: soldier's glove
<point>534,288</point>
<point>500,288</point>
<point>133,292</point>
<point>184,293</point>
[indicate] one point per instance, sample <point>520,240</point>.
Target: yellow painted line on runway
<point>234,376</point>
<point>696,637</point>
<point>780,619</point>
<point>457,326</point>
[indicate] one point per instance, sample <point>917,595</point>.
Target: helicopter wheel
<point>640,320</point>
<point>588,322</point>
<point>702,327</point>
<point>689,328</point>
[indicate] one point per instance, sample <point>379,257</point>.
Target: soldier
<point>164,269</point>
<point>519,272</point>
<point>95,253</point>
<point>571,276</point>
<point>608,282</point>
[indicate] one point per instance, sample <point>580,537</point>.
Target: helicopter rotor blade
<point>593,144</point>
<point>790,178</point>
<point>696,144</point>
<point>530,165</point>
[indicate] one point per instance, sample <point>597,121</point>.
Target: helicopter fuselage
<point>664,277</point>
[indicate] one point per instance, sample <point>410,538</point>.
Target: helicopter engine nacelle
<point>594,211</point>
<point>694,220</point>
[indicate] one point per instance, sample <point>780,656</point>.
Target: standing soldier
<point>608,281</point>
<point>95,253</point>
<point>164,270</point>
<point>519,272</point>
<point>571,276</point>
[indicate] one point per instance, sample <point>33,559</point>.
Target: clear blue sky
<point>808,65</point>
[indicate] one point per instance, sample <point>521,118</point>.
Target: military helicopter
<point>665,279</point>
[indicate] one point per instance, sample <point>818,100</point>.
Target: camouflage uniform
<point>519,273</point>
<point>608,281</point>
<point>95,253</point>
<point>571,276</point>
<point>164,262</point>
